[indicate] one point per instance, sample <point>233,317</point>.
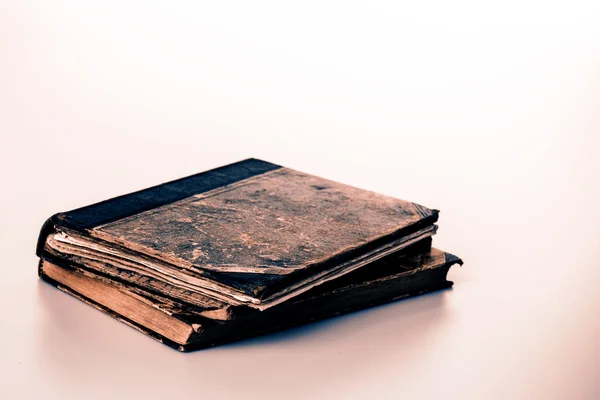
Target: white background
<point>489,112</point>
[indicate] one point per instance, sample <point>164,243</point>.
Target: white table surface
<point>491,114</point>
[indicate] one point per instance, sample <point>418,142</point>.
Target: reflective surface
<point>492,116</point>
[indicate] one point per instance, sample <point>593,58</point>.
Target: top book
<point>250,233</point>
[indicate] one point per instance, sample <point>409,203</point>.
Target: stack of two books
<point>241,250</point>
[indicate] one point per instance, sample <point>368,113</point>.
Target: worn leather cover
<point>252,225</point>
<point>413,273</point>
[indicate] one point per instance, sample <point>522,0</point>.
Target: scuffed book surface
<point>240,233</point>
<point>273,223</point>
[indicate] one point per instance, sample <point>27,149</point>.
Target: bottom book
<point>410,275</point>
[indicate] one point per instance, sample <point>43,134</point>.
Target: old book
<point>250,234</point>
<point>248,248</point>
<point>181,326</point>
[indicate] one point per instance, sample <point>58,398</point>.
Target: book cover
<point>249,234</point>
